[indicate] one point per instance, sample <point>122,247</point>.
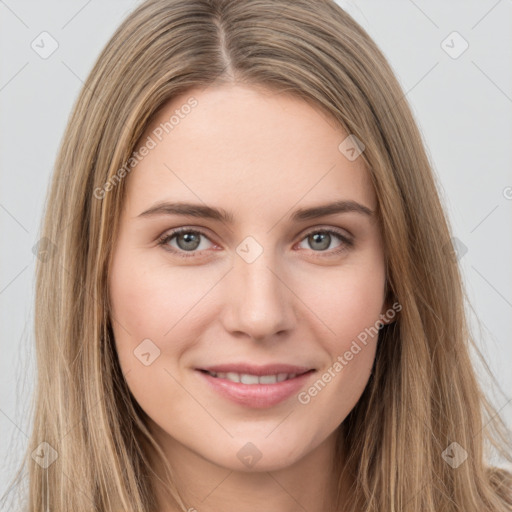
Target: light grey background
<point>463,106</point>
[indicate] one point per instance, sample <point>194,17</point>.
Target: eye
<point>187,240</point>
<point>320,240</point>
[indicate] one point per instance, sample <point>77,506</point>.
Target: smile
<point>255,391</point>
<point>247,378</point>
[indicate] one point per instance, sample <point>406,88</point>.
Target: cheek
<point>351,300</point>
<point>354,305</point>
<point>147,305</point>
<point>143,306</point>
<point>144,296</point>
<point>136,300</point>
<point>152,301</point>
<point>349,305</point>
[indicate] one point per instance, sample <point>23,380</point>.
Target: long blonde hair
<point>423,394</point>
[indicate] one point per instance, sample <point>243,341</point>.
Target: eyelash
<point>346,242</point>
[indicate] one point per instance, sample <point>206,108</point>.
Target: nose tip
<point>258,303</point>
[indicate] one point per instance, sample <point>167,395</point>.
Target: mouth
<point>255,391</point>
<point>252,379</point>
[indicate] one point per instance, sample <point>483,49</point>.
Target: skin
<point>259,155</point>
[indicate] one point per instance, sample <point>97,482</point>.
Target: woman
<point>196,350</point>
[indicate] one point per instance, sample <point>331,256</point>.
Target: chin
<point>258,454</point>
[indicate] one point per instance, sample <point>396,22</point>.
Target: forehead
<point>247,147</point>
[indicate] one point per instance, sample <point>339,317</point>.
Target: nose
<point>259,304</point>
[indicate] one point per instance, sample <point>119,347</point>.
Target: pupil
<point>319,237</point>
<point>189,241</point>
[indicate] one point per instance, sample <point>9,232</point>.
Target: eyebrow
<point>219,214</point>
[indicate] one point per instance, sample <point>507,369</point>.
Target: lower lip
<point>257,396</point>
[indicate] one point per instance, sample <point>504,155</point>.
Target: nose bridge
<point>259,302</point>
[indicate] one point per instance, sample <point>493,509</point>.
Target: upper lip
<point>269,369</point>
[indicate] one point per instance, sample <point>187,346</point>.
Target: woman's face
<point>271,284</point>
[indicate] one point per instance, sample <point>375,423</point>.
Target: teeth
<point>268,379</point>
<point>246,378</point>
<point>249,379</point>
